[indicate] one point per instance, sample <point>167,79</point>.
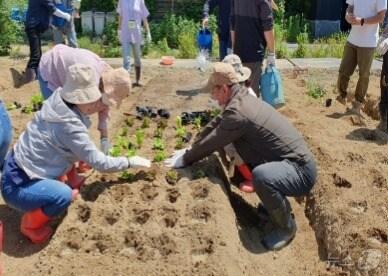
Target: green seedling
<point>179,143</point>
<point>158,144</point>
<point>172,177</point>
<point>121,142</point>
<point>115,151</point>
<point>158,133</point>
<point>37,102</point>
<point>162,124</point>
<point>199,174</point>
<point>129,121</point>
<point>315,90</point>
<point>215,112</point>
<point>178,122</point>
<point>160,156</point>
<point>123,131</point>
<point>146,123</point>
<point>27,109</point>
<point>180,132</point>
<point>197,123</point>
<point>131,152</point>
<point>130,177</point>
<point>139,137</point>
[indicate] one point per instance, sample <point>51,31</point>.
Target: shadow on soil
<point>368,135</point>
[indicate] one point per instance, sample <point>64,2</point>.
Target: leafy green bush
<point>302,49</point>
<point>295,25</point>
<point>110,34</point>
<point>187,46</point>
<point>87,43</point>
<point>10,32</point>
<point>315,90</point>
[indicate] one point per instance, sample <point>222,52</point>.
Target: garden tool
<point>285,227</point>
<point>297,70</point>
<point>33,225</point>
<point>29,75</point>
<point>247,185</point>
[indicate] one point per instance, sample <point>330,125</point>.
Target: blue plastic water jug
<point>271,87</point>
<point>59,21</point>
<point>205,39</point>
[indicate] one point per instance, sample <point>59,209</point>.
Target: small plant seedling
<point>121,142</point>
<point>180,132</point>
<point>147,176</point>
<point>139,137</point>
<point>197,174</point>
<point>178,122</point>
<point>115,151</point>
<point>172,177</point>
<point>158,144</point>
<point>197,123</point>
<point>146,123</point>
<point>37,102</point>
<point>315,90</point>
<point>129,121</point>
<point>179,143</point>
<point>123,131</point>
<point>162,124</point>
<point>215,112</point>
<point>27,109</point>
<point>131,152</point>
<point>158,133</point>
<point>130,177</point>
<point>160,156</point>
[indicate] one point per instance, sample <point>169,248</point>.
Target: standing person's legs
<point>223,47</point>
<point>58,36</point>
<point>383,105</point>
<point>136,50</point>
<point>71,34</point>
<point>364,62</point>
<point>273,182</point>
<point>347,67</point>
<point>126,51</point>
<point>46,92</point>
<point>35,53</point>
<point>255,75</point>
<point>5,133</point>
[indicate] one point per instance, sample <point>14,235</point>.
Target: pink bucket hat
<point>117,86</point>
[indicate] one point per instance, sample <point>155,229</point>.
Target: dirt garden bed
<point>143,225</point>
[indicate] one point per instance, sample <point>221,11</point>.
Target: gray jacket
<point>56,138</point>
<point>259,133</point>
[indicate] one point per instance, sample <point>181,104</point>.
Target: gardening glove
<point>138,162</point>
<point>271,59</point>
<point>62,14</point>
<point>176,161</point>
<point>105,145</point>
<point>149,38</point>
<point>382,46</point>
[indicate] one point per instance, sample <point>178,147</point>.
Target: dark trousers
<point>384,87</point>
<point>255,75</point>
<point>34,39</point>
<point>223,47</point>
<point>274,181</point>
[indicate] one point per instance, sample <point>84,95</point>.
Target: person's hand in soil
<point>176,161</point>
<point>138,162</point>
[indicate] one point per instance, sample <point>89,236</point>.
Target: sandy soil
<point>197,227</point>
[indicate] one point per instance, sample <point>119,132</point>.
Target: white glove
<point>149,38</point>
<point>382,46</point>
<point>105,145</point>
<point>62,14</point>
<point>138,162</point>
<point>176,161</point>
<point>271,59</point>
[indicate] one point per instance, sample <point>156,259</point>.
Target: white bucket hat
<point>243,73</point>
<point>80,85</point>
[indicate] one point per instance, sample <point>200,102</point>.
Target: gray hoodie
<point>56,138</point>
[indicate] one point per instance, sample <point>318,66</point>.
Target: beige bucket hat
<point>80,85</point>
<point>222,73</point>
<point>243,73</point>
<point>117,86</point>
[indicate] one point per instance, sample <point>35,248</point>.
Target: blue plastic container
<point>271,87</point>
<point>18,15</point>
<point>205,39</point>
<point>59,21</point>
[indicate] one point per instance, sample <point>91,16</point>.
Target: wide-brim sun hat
<point>117,86</point>
<point>222,74</point>
<point>80,86</point>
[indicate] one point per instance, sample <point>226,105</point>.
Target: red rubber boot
<point>33,226</point>
<point>247,185</point>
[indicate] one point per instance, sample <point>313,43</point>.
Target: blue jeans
<point>5,133</point>
<point>46,92</point>
<point>51,195</point>
<point>69,31</point>
<point>274,181</point>
<point>126,50</point>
